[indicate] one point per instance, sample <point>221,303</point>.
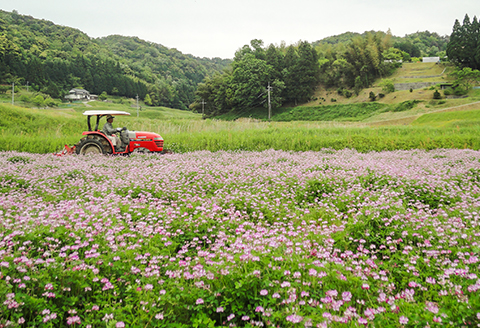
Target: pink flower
<point>264,292</point>
<point>331,293</point>
<point>430,280</point>
<point>120,324</point>
<point>108,286</point>
<point>403,320</point>
<point>219,309</point>
<point>199,301</point>
<point>230,317</point>
<point>294,318</point>
<point>347,296</point>
<point>362,321</point>
<point>73,320</point>
<point>432,307</point>
<point>366,286</point>
<point>285,284</point>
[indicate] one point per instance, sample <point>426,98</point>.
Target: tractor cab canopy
<point>99,114</point>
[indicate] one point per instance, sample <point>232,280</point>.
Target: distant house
<point>431,59</point>
<point>80,94</point>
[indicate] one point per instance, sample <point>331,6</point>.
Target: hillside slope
<point>53,59</point>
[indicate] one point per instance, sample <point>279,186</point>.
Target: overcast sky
<point>217,28</point>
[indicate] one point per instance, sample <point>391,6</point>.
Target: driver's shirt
<point>108,129</point>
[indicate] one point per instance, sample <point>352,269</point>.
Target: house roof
<point>75,90</point>
<point>104,112</point>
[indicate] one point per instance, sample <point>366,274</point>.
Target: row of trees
<point>294,72</point>
<point>358,63</point>
<point>290,72</point>
<point>418,44</point>
<point>464,46</point>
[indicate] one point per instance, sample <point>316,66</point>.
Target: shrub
<point>460,91</point>
<point>38,101</point>
<point>448,91</point>
<point>404,106</point>
<point>347,93</point>
<point>372,96</point>
<point>25,98</point>
<point>103,96</point>
<point>437,95</point>
<point>387,86</point>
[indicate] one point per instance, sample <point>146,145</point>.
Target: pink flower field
<point>246,239</point>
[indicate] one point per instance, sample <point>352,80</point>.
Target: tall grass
<point>304,139</point>
<point>44,131</point>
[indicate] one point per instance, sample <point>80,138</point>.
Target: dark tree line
<point>291,72</point>
<point>464,46</point>
<point>357,63</point>
<point>53,59</point>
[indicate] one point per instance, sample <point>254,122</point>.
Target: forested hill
<point>418,44</point>
<point>54,59</point>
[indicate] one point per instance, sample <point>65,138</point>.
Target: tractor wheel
<point>89,146</point>
<point>96,145</point>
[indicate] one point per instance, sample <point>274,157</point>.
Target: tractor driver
<point>110,132</point>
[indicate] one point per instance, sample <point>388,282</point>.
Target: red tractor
<point>96,142</point>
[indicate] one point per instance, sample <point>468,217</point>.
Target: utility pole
<point>269,103</point>
<point>203,106</point>
<point>137,105</point>
<point>13,93</point>
<point>27,86</point>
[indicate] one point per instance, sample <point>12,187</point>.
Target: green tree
<point>358,85</point>
<point>387,86</point>
<point>38,101</point>
<point>289,75</point>
<point>307,71</point>
<point>464,46</point>
<point>103,96</point>
<point>147,100</point>
<point>274,58</point>
<point>466,78</point>
<point>249,81</point>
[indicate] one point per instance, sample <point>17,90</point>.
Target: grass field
<point>43,131</point>
<point>400,120</point>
